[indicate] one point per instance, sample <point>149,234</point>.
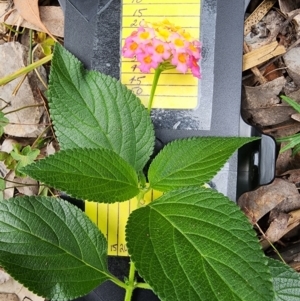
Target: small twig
<point>39,136</point>
<point>47,111</point>
<point>17,88</point>
<point>13,182</point>
<point>255,70</point>
<point>22,108</point>
<point>254,222</point>
<point>35,70</point>
<point>277,69</point>
<point>36,124</point>
<point>271,244</point>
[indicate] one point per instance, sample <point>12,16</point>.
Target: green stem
<point>130,282</point>
<point>142,179</point>
<point>118,282</point>
<point>143,286</point>
<point>25,70</point>
<point>13,30</point>
<point>157,73</point>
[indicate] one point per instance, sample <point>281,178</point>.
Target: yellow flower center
<point>163,33</point>
<point>133,46</point>
<point>160,49</point>
<point>192,47</point>
<point>144,35</point>
<point>178,43</point>
<point>147,59</point>
<point>182,58</point>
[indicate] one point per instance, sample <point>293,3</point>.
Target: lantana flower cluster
<point>163,45</point>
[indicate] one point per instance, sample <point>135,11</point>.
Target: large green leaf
<point>192,162</point>
<point>195,244</point>
<point>51,247</point>
<point>90,109</point>
<point>286,281</point>
<point>98,175</point>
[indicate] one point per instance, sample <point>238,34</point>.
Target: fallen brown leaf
<point>293,222</point>
<point>277,227</point>
<point>29,10</point>
<point>259,202</point>
<point>292,176</point>
<point>272,72</point>
<point>51,16</point>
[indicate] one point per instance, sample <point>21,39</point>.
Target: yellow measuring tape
<point>174,91</point>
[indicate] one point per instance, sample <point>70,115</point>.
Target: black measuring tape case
<point>93,33</point>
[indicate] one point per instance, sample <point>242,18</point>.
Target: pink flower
<point>163,44</point>
<point>146,62</point>
<point>144,35</point>
<point>178,42</point>
<point>194,49</point>
<point>195,68</point>
<point>161,50</point>
<point>130,48</point>
<point>180,60</point>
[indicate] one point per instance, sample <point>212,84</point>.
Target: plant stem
<point>25,70</point>
<point>118,282</point>
<point>130,282</point>
<point>157,73</point>
<point>143,285</point>
<point>142,179</point>
<point>13,30</point>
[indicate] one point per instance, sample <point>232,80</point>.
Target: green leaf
<point>10,163</point>
<point>98,175</point>
<point>296,150</point>
<point>293,141</point>
<point>24,157</point>
<point>285,280</point>
<point>192,162</point>
<point>3,122</point>
<point>51,247</point>
<point>195,244</point>
<point>47,46</point>
<point>90,109</point>
<point>291,102</point>
<point>2,184</point>
<point>3,155</point>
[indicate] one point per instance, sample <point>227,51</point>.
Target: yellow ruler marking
<point>112,218</point>
<point>174,91</point>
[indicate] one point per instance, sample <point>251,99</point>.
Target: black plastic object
<point>92,33</point>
